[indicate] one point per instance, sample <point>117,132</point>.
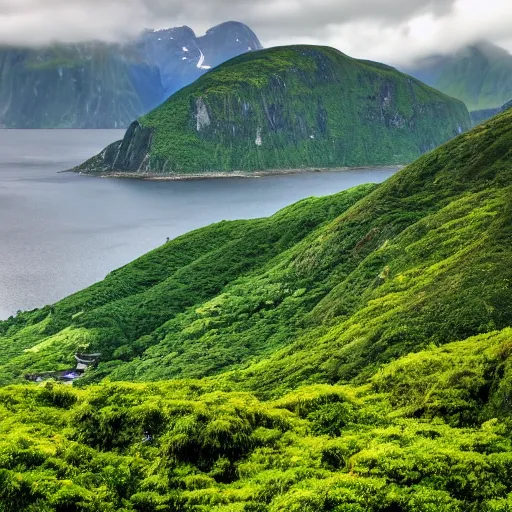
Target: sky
<point>392,31</point>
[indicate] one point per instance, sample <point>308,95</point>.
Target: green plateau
<point>351,353</point>
<point>292,107</point>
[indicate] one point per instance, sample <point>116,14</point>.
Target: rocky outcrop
<point>134,149</point>
<point>129,154</point>
<point>182,57</point>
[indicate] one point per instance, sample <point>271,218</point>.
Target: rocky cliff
<point>182,57</point>
<point>289,107</point>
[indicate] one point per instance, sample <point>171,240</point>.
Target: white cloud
<point>422,34</point>
<point>391,31</point>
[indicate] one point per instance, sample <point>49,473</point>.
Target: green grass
<point>350,353</point>
<point>420,260</point>
<point>311,106</point>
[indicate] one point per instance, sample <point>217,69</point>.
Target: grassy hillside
<point>289,107</point>
<point>480,75</point>
<point>358,281</point>
<point>351,353</point>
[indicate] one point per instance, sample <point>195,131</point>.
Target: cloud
<point>392,31</point>
<point>425,33</point>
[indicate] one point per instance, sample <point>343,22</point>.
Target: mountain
<point>98,85</point>
<point>478,116</point>
<point>480,75</point>
<point>75,86</point>
<point>285,108</point>
<point>182,57</point>
<point>350,353</point>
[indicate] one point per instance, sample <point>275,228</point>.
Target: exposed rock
<point>202,117</point>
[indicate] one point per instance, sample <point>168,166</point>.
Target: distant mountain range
<point>97,85</point>
<point>181,57</point>
<point>285,108</point>
<point>480,75</point>
<point>478,116</point>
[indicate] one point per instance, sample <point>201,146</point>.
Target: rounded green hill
<point>292,107</point>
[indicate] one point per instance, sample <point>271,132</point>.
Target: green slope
<point>355,353</point>
<point>480,75</point>
<point>289,107</point>
<point>410,256</point>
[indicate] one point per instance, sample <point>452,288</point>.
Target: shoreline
<point>227,175</point>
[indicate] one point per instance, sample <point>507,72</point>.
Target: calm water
<point>62,232</point>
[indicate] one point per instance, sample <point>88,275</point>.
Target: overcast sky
<point>392,31</point>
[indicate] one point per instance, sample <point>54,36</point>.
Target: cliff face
<point>290,107</point>
<point>108,86</point>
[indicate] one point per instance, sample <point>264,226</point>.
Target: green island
<point>351,353</point>
<point>293,107</point>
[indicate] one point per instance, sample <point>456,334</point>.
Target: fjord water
<point>62,232</point>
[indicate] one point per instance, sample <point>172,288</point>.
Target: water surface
<point>62,232</point>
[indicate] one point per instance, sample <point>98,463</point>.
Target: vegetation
<point>429,432</point>
<point>289,107</point>
<point>351,353</point>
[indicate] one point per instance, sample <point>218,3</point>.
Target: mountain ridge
<point>479,116</point>
<point>479,74</point>
<point>100,85</point>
